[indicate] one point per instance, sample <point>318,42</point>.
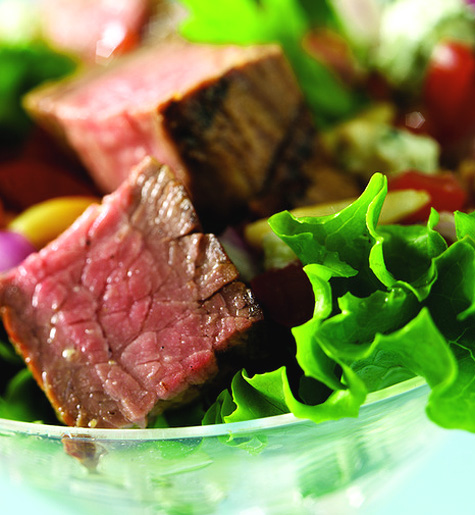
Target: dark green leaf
<point>258,396</point>
<point>24,401</point>
<point>22,68</point>
<point>391,303</point>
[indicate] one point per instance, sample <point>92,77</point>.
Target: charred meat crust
<point>286,183</point>
<point>230,121</point>
<point>123,315</point>
<point>242,134</point>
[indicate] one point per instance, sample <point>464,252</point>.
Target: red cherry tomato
<point>445,191</point>
<point>116,39</point>
<point>449,90</point>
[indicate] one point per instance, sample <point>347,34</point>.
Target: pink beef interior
<point>112,118</point>
<point>125,312</point>
<point>166,71</point>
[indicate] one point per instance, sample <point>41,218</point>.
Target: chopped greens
<point>392,302</point>
<point>22,67</point>
<point>23,400</point>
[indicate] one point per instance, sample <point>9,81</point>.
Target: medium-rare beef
<point>128,311</point>
<point>230,121</point>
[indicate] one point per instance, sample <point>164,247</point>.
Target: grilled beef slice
<point>127,311</point>
<point>230,121</point>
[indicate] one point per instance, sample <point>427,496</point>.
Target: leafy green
<point>391,302</point>
<point>8,354</point>
<point>20,397</point>
<point>23,400</point>
<point>22,67</point>
<point>245,22</point>
<point>321,13</point>
<point>259,396</point>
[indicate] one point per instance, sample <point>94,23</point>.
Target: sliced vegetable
<point>14,248</point>
<point>43,222</point>
<point>397,206</point>
<point>444,190</point>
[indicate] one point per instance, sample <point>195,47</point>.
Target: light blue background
<point>443,482</point>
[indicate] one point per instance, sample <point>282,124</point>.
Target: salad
<point>367,283</point>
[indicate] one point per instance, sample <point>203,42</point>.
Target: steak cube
<point>126,312</point>
<point>230,121</point>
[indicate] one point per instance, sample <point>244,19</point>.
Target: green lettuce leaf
<point>23,67</point>
<point>418,348</point>
<point>391,303</point>
<point>341,241</point>
<point>220,409</point>
<point>8,354</point>
<point>259,396</point>
<point>24,401</point>
<point>464,225</point>
<point>453,406</point>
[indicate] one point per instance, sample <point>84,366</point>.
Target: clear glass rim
<point>173,433</point>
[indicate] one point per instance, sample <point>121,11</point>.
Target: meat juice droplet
<point>52,335</point>
<point>68,353</point>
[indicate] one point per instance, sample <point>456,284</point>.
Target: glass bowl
<point>274,465</point>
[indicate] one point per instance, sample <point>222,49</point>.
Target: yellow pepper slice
<point>46,220</point>
<point>397,205</point>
